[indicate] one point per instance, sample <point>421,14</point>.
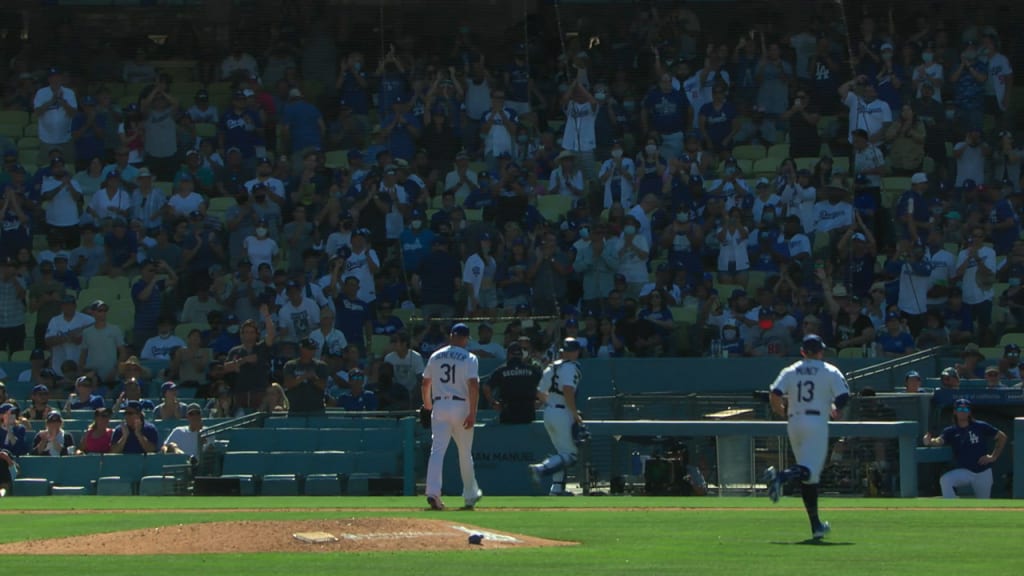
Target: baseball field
<point>582,535</point>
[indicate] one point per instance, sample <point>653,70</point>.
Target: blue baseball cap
<point>812,343</point>
<point>570,345</point>
<point>912,374</point>
<point>40,389</point>
<point>167,387</point>
<point>892,316</point>
<point>459,329</point>
<point>962,403</point>
<point>6,407</point>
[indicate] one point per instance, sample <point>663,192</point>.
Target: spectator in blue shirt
<point>134,435</point>
<point>14,440</point>
<point>352,315</point>
<point>238,127</point>
<point>352,84</point>
<point>401,129</point>
<point>666,111</point>
<point>1006,228</point>
<point>894,341</point>
<point>357,398</point>
<point>87,132</point>
<point>385,322</point>
<point>912,211</point>
<point>969,77</point>
<point>148,296</point>
<point>957,317</point>
<point>302,124</point>
<point>83,398</point>
<point>718,123</point>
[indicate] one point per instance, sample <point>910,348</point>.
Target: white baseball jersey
<point>558,375</point>
<point>449,369</point>
<point>810,386</point>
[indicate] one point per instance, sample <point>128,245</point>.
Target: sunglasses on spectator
<point>963,409</point>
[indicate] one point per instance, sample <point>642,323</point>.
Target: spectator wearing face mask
<point>259,248</point>
<point>617,175</point>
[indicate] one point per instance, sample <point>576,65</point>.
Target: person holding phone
<point>733,258</point>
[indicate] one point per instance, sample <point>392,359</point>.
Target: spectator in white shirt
<point>261,249</point>
<point>185,200</point>
<point>498,129</point>
<point>970,155</point>
<point>407,363</point>
<point>867,112</point>
<point>63,196</point>
<point>55,106</point>
<point>867,159</point>
<point>566,179</point>
<point>976,268</point>
<point>617,174</point>
<point>461,181</point>
<point>202,112</point>
<point>834,214</point>
<point>579,135</point>
<point>164,344</point>
<point>484,346</point>
<point>238,63</point>
<point>111,200</point>
<point>329,340</point>
<point>298,316</point>
<point>733,258</point>
<point>64,333</point>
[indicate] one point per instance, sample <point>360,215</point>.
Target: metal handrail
<point>900,362</point>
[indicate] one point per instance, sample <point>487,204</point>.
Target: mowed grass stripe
<point>704,541</point>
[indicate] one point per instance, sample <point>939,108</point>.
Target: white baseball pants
<point>808,436</point>
<point>980,482</point>
<point>446,420</point>
<point>558,423</point>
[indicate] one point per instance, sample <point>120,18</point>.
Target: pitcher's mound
<point>351,535</point>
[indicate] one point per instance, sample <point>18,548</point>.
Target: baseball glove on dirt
<point>425,418</point>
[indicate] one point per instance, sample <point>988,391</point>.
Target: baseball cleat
<point>821,531</point>
<point>771,478</point>
<point>471,502</point>
<point>435,503</point>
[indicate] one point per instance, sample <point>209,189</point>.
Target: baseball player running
<point>969,439</point>
<point>451,389</point>
<point>807,392</point>
<point>557,390</point>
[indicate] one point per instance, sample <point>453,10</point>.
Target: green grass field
<point>617,535</point>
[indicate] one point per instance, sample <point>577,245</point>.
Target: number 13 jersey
<point>810,386</point>
<point>449,369</point>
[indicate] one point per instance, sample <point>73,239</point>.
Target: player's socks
<point>809,492</point>
<point>796,472</point>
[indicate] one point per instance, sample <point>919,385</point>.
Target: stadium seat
<point>113,486</point>
<point>766,166</point>
<point>156,486</point>
<point>280,485</point>
<point>206,130</point>
<point>48,467</point>
<point>896,183</point>
<point>277,463</point>
<point>21,355</point>
<point>322,485</point>
<point>851,353</point>
<point>69,491</point>
<point>331,462</point>
<point>109,288</point>
<point>749,152</point>
<point>31,130</point>
<point>1015,338</point>
<point>220,205</point>
<point>778,151</point>
<point>336,159</point>
<point>554,206</point>
<point>841,164</point>
<point>474,214</point>
<point>26,156</point>
<point>991,353</point>
<point>684,314</point>
<point>805,163</point>
<point>128,467</point>
<point>359,484</point>
<point>12,131</point>
<point>18,117</point>
<point>243,464</point>
<point>154,463</point>
<point>182,330</point>
<point>31,487</point>
<point>380,344</point>
<point>80,471</point>
<point>379,462</point>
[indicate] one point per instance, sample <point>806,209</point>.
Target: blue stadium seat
<point>31,487</point>
<point>322,485</point>
<point>128,467</point>
<point>379,462</point>
<point>81,471</point>
<point>280,485</point>
<point>331,463</point>
<point>243,464</point>
<point>48,467</point>
<point>154,463</point>
<point>70,491</point>
<point>113,486</point>
<point>276,463</point>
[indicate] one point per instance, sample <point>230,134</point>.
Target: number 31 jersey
<point>449,369</point>
<point>810,385</point>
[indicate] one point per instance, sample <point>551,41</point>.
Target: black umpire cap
<point>812,343</point>
<point>571,345</point>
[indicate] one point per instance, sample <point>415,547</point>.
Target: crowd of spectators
<point>286,239</point>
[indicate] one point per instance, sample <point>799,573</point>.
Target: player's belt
<point>561,406</point>
<point>807,412</point>
<point>449,397</point>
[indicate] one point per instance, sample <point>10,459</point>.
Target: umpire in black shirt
<point>512,388</point>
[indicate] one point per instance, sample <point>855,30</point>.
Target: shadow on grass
<point>813,542</point>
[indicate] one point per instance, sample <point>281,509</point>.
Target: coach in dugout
<point>512,388</point>
<point>969,440</point>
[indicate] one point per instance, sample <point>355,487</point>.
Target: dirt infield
<point>353,535</point>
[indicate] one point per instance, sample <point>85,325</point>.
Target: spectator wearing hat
<point>265,177</point>
<point>894,341</point>
<point>329,340</point>
<point>914,272</point>
<point>356,398</point>
<point>63,196</point>
<point>971,368</point>
<point>134,435</point>
<point>15,441</point>
<point>185,200</point>
<point>363,264</point>
<point>87,132</point>
<point>912,382</point>
<point>159,110</point>
<point>969,438</point>
<point>957,318</point>
<point>596,261</point>
<point>663,281</point>
<point>202,111</point>
<point>970,155</point>
<point>170,408</point>
<point>64,333</point>
<point>148,293</point>
<point>579,134</point>
<point>13,296</point>
<point>478,278</point>
<point>103,344</point>
<point>667,112</point>
<point>993,379</point>
<point>53,440</point>
<point>566,179</point>
<point>37,363</point>
<point>148,201</point>
<point>406,363</point>
<point>163,345</point>
<point>498,128</point>
<point>122,247</point>
<point>186,439</point>
<point>202,176</point>
<point>55,106</point>
<point>299,314</point>
<point>84,396</point>
<point>305,381</point>
<point>111,200</point>
<point>866,111</point>
<point>238,128</point>
<point>400,128</point>
<point>38,405</point>
<point>975,268</point>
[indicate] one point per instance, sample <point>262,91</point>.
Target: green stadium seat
<point>156,486</point>
<point>749,152</point>
<point>766,166</point>
<point>113,486</point>
<point>80,470</point>
<point>31,130</point>
<point>280,485</point>
<point>553,206</point>
<point>12,131</point>
<point>19,117</point>
<point>1015,338</point>
<point>778,151</point>
<point>154,463</point>
<point>322,485</point>
<point>31,487</point>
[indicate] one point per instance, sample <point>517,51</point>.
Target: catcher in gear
<point>557,390</point>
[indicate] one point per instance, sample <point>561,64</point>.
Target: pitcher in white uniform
<point>807,392</point>
<point>451,390</point>
<point>557,390</point>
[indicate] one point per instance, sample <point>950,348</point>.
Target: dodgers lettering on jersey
<point>449,369</point>
<point>811,385</point>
